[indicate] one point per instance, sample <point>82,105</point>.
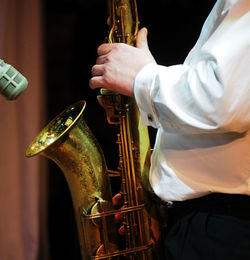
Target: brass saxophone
<point>69,142</point>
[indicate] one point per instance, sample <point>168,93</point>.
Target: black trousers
<point>214,227</point>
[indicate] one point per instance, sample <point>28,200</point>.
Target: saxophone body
<point>69,142</point>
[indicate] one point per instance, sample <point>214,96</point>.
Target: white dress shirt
<point>202,112</point>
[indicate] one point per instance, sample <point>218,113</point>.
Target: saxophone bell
<point>68,141</point>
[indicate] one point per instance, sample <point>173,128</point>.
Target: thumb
<point>141,39</point>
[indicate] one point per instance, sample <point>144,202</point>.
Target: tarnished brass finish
<point>142,226</point>
<point>141,222</point>
<point>123,20</point>
<point>68,141</point>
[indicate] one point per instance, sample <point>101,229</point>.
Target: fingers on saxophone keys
<point>100,60</point>
<point>105,48</point>
<point>117,199</point>
<point>96,82</point>
<point>118,217</point>
<point>97,70</point>
<point>122,230</point>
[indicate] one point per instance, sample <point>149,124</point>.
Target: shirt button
<point>150,118</point>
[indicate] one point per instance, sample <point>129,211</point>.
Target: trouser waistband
<point>237,205</point>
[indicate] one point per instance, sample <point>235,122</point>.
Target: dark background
<point>73,29</point>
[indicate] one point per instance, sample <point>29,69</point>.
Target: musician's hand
<point>118,64</point>
<point>117,200</point>
<point>119,217</point>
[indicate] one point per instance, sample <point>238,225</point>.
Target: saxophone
<point>68,141</point>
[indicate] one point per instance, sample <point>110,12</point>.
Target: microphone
<point>12,82</point>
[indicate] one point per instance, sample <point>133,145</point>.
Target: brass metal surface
<point>69,142</point>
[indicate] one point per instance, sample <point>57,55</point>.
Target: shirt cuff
<point>143,85</point>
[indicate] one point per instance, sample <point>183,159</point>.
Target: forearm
<point>191,98</point>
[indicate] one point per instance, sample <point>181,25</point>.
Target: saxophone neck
<point>123,21</point>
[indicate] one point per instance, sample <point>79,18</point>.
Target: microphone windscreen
<point>12,82</point>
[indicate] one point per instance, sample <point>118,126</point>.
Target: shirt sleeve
<point>209,94</point>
